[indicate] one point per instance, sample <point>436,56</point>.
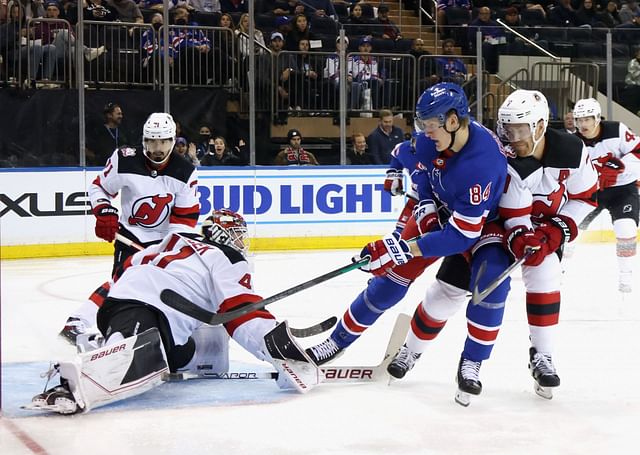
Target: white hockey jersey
<point>153,202</point>
<point>562,183</point>
<point>214,277</point>
<point>616,140</point>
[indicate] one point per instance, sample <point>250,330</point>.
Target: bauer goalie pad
<point>116,371</point>
<point>295,368</point>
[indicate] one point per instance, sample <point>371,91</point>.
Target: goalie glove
<point>520,239</point>
<point>393,182</point>
<point>106,221</point>
<point>557,230</point>
<point>385,254</point>
<point>426,216</point>
<point>608,170</point>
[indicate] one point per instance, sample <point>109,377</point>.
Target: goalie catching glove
<point>393,182</point>
<point>385,254</point>
<point>106,221</point>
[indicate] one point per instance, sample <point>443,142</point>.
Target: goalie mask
<point>158,137</point>
<point>226,227</point>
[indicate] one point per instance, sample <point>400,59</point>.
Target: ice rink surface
<point>596,410</point>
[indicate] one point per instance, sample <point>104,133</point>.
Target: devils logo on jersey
<point>151,211</point>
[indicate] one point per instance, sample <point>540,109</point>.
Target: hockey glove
<point>608,172</point>
<point>393,182</point>
<point>426,217</point>
<point>520,239</point>
<point>106,221</point>
<point>385,254</point>
<point>557,230</point>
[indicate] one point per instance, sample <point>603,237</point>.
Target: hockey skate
<point>468,380</point>
<point>324,352</point>
<point>404,361</point>
<point>543,372</point>
<point>56,399</point>
<point>72,328</point>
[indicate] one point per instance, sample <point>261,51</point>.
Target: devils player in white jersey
<point>549,192</point>
<point>615,150</point>
<point>158,195</point>
<point>146,338</point>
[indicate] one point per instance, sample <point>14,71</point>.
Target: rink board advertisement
<point>47,212</point>
<point>313,207</point>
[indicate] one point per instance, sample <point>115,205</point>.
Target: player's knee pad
<point>545,277</point>
<point>443,300</point>
<point>497,260</point>
<point>382,293</point>
<point>116,371</point>
<point>211,351</point>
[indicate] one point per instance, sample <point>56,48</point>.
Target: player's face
<point>587,126</point>
<point>519,137</point>
<point>435,131</point>
<point>158,149</point>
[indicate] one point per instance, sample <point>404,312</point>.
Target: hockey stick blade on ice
<point>479,296</point>
<point>179,303</point>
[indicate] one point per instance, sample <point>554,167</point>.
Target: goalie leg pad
<point>295,368</point>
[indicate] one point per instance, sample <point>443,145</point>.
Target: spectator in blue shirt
<point>493,37</point>
<point>450,68</point>
<point>384,138</point>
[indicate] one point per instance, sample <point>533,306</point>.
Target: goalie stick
<point>333,374</point>
<point>174,300</point>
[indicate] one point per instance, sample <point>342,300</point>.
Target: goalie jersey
<point>153,202</point>
<point>214,277</point>
<point>563,182</point>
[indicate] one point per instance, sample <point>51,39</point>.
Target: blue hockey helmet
<point>439,99</point>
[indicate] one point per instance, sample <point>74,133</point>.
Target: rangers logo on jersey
<point>151,211</point>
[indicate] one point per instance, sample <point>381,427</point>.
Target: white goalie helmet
<point>522,106</point>
<point>158,126</point>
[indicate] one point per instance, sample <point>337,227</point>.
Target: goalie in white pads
<point>145,338</point>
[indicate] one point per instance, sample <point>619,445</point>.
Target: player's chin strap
<point>452,133</point>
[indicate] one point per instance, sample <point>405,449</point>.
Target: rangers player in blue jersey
<point>463,170</point>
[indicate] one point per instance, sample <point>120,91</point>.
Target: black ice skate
<point>543,372</point>
<point>468,380</point>
<point>324,352</point>
<point>72,328</point>
<point>57,399</point>
<point>404,361</point>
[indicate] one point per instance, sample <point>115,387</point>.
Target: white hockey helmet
<point>159,125</point>
<point>523,107</point>
<point>226,227</point>
<point>587,107</point>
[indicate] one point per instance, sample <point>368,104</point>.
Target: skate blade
<point>48,408</point>
<point>463,398</point>
<point>544,392</point>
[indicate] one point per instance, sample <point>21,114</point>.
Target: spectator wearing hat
<point>106,137</point>
<point>384,138</point>
<point>283,25</point>
<point>386,29</point>
<point>358,153</point>
<point>366,78</point>
<point>331,75</point>
<point>356,24</point>
<point>265,65</point>
<point>186,150</point>
<point>294,154</point>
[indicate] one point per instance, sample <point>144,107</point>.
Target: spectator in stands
<point>301,78</point>
<point>493,37</point>
<point>331,75</point>
<point>363,68</point>
<point>30,8</point>
<point>191,50</point>
<point>157,5</point>
<point>234,6</point>
<point>205,138</point>
<point>283,26</point>
<point>450,68</point>
<point>218,154</point>
<point>537,5</point>
<point>628,11</point>
<point>563,15</point>
<point>287,8</point>
<point>385,28</point>
<point>152,42</point>
<point>587,15</point>
<point>224,59</point>
<point>104,139</point>
<point>98,10</point>
<point>203,6</point>
<point>384,138</point>
<point>265,66</point>
<point>569,123</point>
<point>511,17</point>
<point>357,153</point>
<point>300,30</point>
<point>320,8</point>
<point>611,16</point>
<point>242,32</point>
<point>632,81</point>
<point>128,11</point>
<point>294,154</point>
<point>357,25</point>
<point>443,6</point>
<point>629,32</point>
<point>186,150</point>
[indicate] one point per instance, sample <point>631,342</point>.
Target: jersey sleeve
<point>581,185</point>
<point>107,184</point>
<point>516,202</point>
<point>186,209</point>
<point>395,162</point>
<point>630,149</point>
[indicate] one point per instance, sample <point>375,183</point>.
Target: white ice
<point>596,409</point>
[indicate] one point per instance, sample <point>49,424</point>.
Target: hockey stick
<point>333,374</point>
<point>479,296</point>
<point>122,239</point>
<point>174,300</point>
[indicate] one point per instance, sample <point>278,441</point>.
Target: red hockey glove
<point>393,182</point>
<point>557,230</point>
<point>106,221</point>
<point>426,217</point>
<point>520,239</point>
<point>608,171</point>
<point>385,254</point>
